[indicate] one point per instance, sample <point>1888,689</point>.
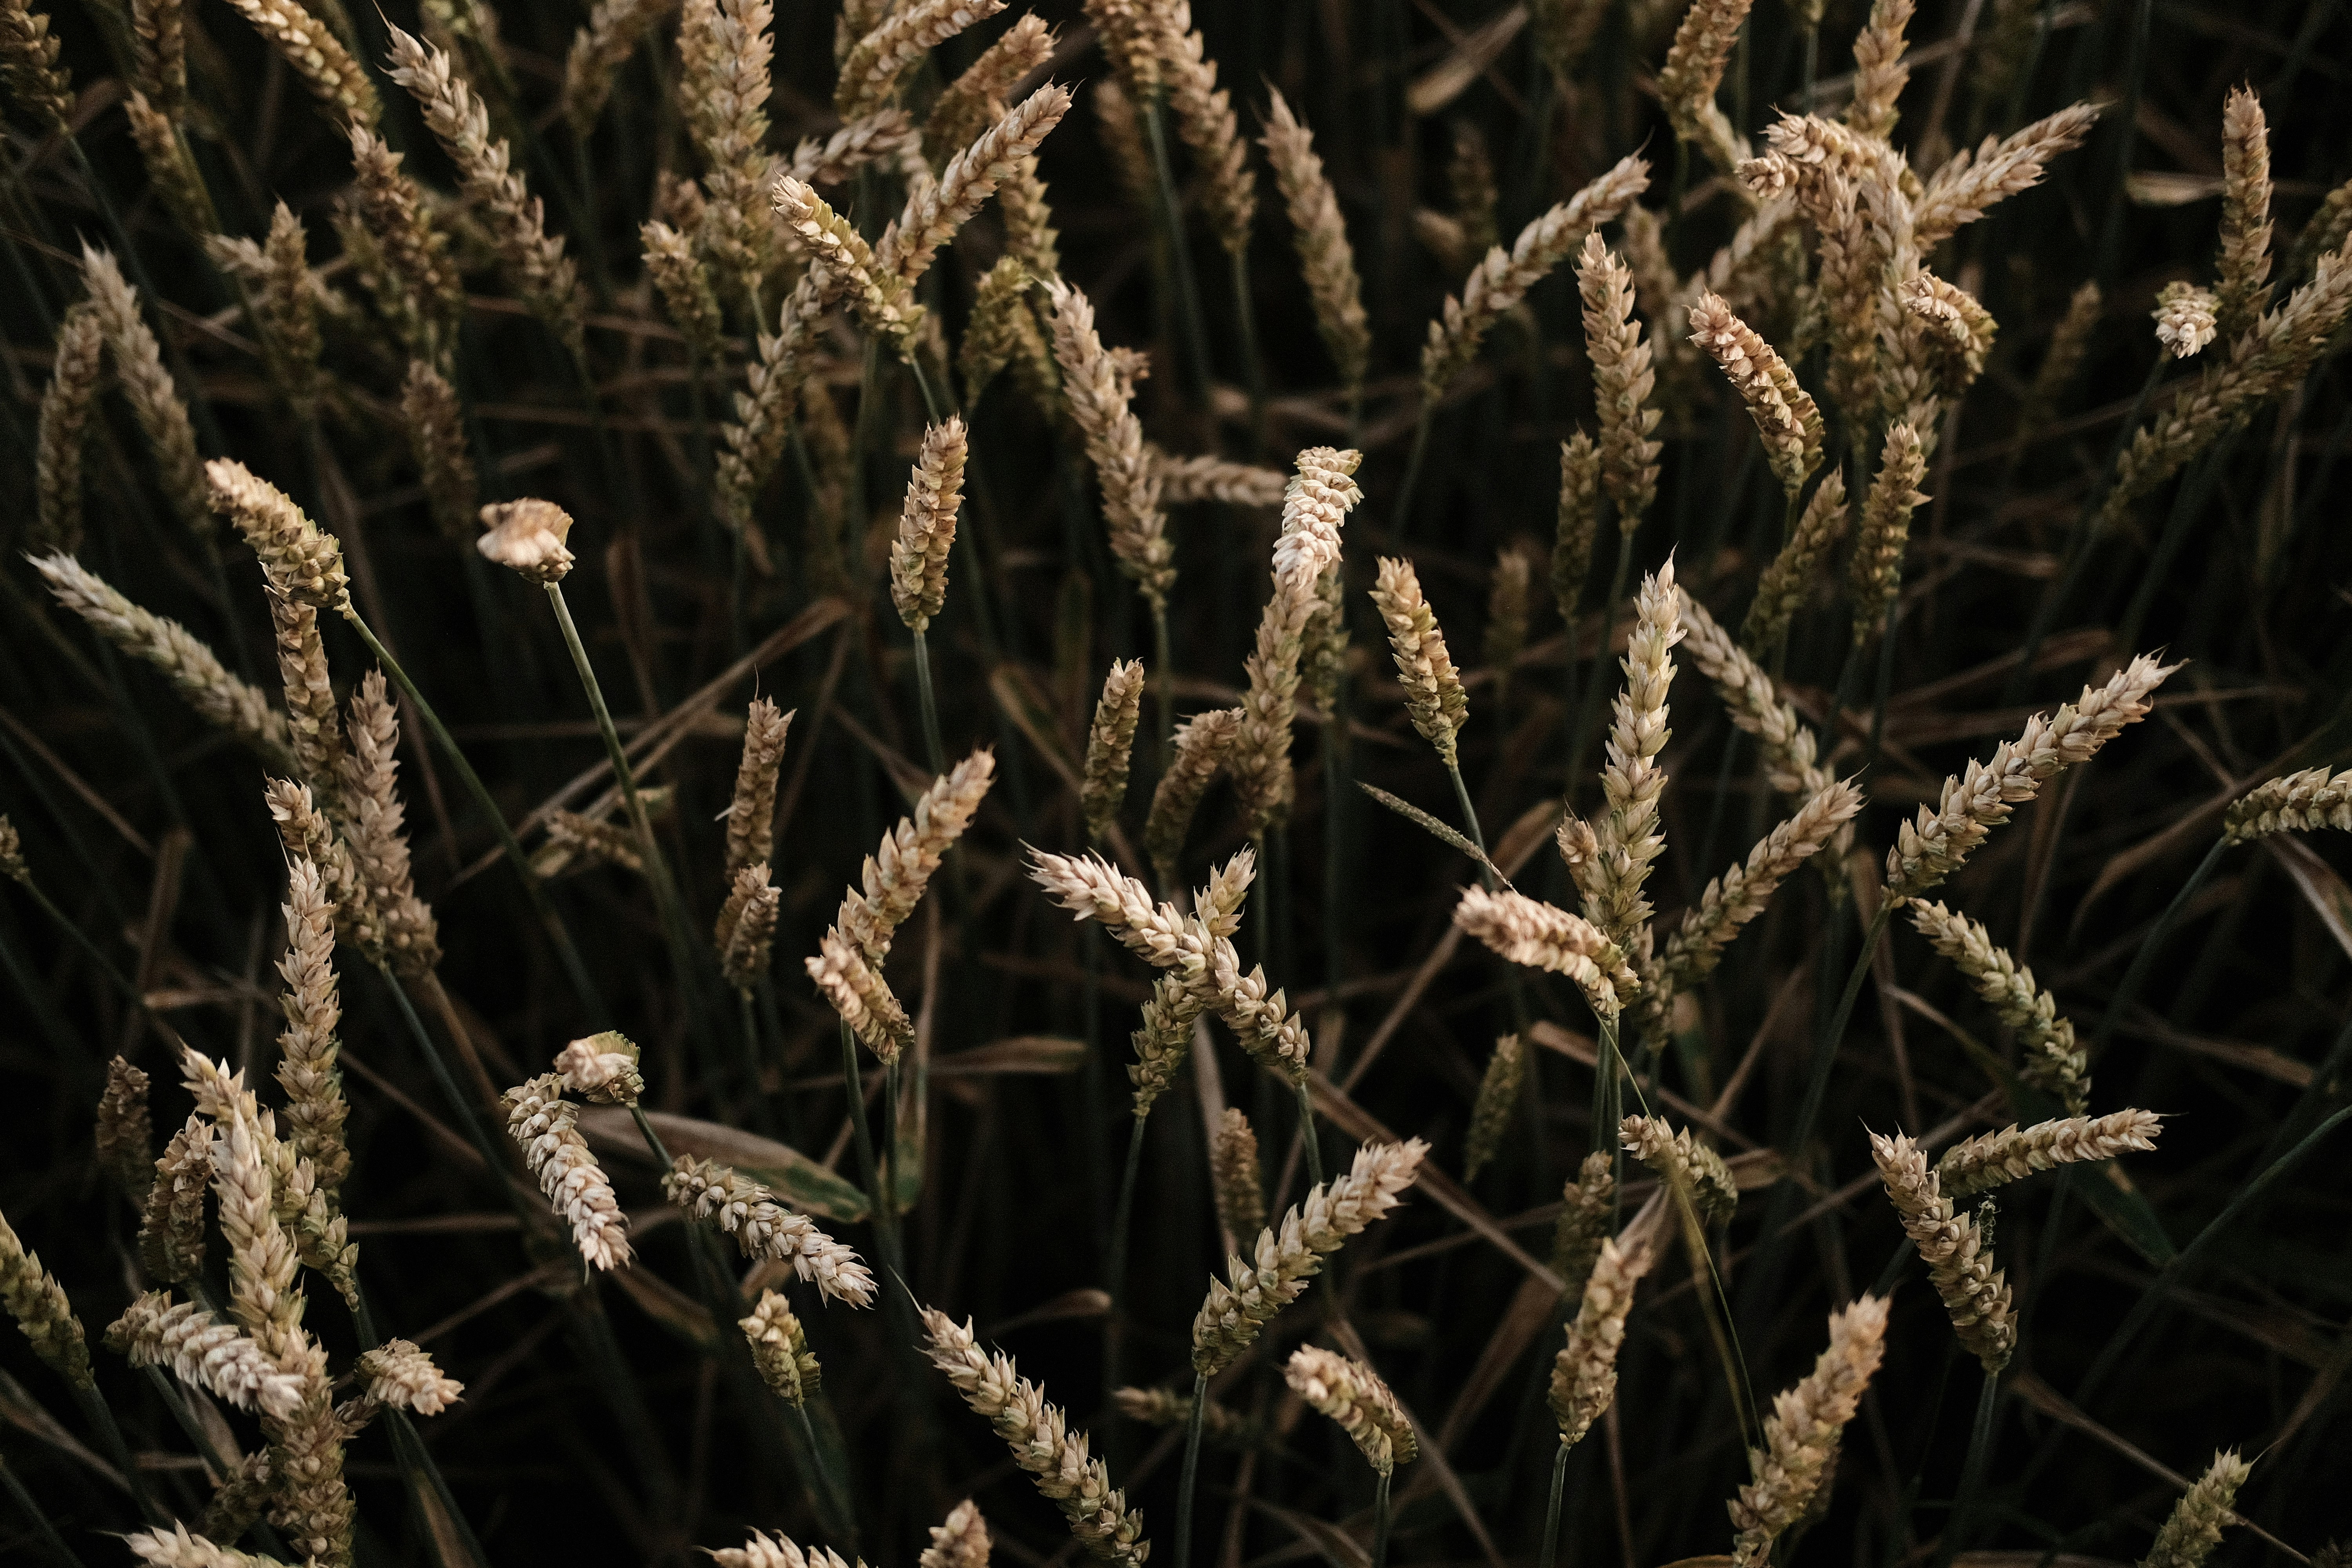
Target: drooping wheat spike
<point>1320,237</point>
<point>927,526</point>
<point>418,290</point>
<point>1991,1159</point>
<point>764,1551</point>
<point>1959,326</point>
<point>1543,936</point>
<point>1497,1101</point>
<point>2272,356</point>
<point>1110,745</point>
<point>1579,520</point>
<point>600,48</point>
<point>1353,1396</point>
<point>1622,382</point>
<point>1434,697</point>
<point>875,291</point>
<point>686,291</point>
<point>779,1348</point>
<point>895,877</point>
<point>1967,185</point>
<point>1587,1210</point>
<point>602,1068</point>
<point>1165,1407</point>
<point>1100,401</point>
<point>1584,1372</point>
<point>960,1541</point>
<point>218,697</point>
<point>1980,798</point>
<point>762,1227</point>
<point>745,933</point>
<point>1875,577</point>
<point>1092,888</point>
<point>1801,1435</point>
<point>1685,1163</point>
<point>1270,1034</point>
<point>603,843</point>
<point>172,1229</point>
<point>28,61</point>
<point>1786,417</point>
<point>313,52</point>
<point>2195,1525</point>
<point>752,816</point>
<point>126,1132</point>
<point>398,1374</point>
<point>1236,1179</point>
<point>305,562</point>
<point>1625,839</point>
<point>1502,279</point>
<point>65,416</point>
<point>881,62</point>
<point>1039,1435</point>
<point>1789,748</point>
<point>2241,291</point>
<point>725,53</point>
<point>32,1296</point>
<point>1694,71</point>
<point>1202,745</point>
<point>533,259</point>
<point>980,91</point>
<point>2295,802</point>
<point>2046,1041</point>
<point>1507,613</point>
<point>855,991</point>
<point>1240,1305</point>
<point>315,1109</point>
<point>437,439</point>
<point>1205,120</point>
<point>1782,592</point>
<point>2185,320</point>
<point>148,387</point>
<point>1880,71</point>
<point>752,442</point>
<point>934,212</point>
<point>376,831</point>
<point>1959,1264</point>
<point>541,1121</point>
<point>1164,1039</point>
<point>527,537</point>
<point>1737,896</point>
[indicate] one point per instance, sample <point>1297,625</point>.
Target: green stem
<point>1470,819</point>
<point>1253,372</point>
<point>2145,958</point>
<point>1551,1508</point>
<point>1115,1277</point>
<point>890,1142</point>
<point>1972,1472</point>
<point>1609,1104</point>
<point>930,706</point>
<point>1163,681</point>
<point>110,1438</point>
<point>750,1026</point>
<point>1188,295</point>
<point>1412,468</point>
<point>39,1520</point>
<point>1190,1474</point>
<point>582,983</point>
<point>1588,712</point>
<point>81,940</point>
<point>863,1137</point>
<point>447,1081</point>
<point>1309,1141</point>
<point>1381,1520</point>
<point>826,1480</point>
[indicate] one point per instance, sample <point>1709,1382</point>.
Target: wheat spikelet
<point>1587,1210</point>
<point>612,34</point>
<point>1433,689</point>
<point>1202,745</point>
<point>377,832</point>
<point>763,1550</point>
<point>725,52</point>
<point>1166,1407</point>
<point>779,1348</point>
<point>1780,593</point>
<point>1501,280</point>
<point>1314,509</point>
<point>1879,73</point>
<point>1693,67</point>
<point>856,992</point>
<point>1497,1100</point>
<point>1543,936</point>
<point>1786,415</point>
<point>159,36</point>
<point>400,1375</point>
<point>311,47</point>
<point>877,66</point>
<point>1091,887</point>
<point>2194,1527</point>
<point>1686,1164</point>
<point>1962,329</point>
<point>1324,659</point>
<point>1584,1372</point>
<point>1100,402</point>
<point>240,1501</point>
<point>1622,382</point>
<point>1235,1177</point>
<point>1353,1396</point>
<point>1320,237</point>
<point>1284,1260</point>
<point>751,442</point>
<point>2051,1061</point>
<point>927,526</point>
<point>315,1109</point>
<point>314,729</point>
<point>752,816</point>
<point>126,1132</point>
<point>1625,840</point>
<point>32,1296</point>
<point>764,1228</point>
<point>994,331</point>
<point>1270,1034</point>
<point>2326,230</point>
<point>148,387</point>
<point>602,1068</point>
<point>542,1124</point>
<point>172,1229</point>
<point>533,259</point>
<point>527,537</point>
<point>1789,748</point>
<point>12,854</point>
<point>960,1541</point>
<point>980,91</point>
<point>305,562</point>
<point>1801,1435</point>
<point>1163,1038</point>
<point>2184,316</point>
<point>746,929</point>
<point>285,303</point>
<point>175,1548</point>
<point>429,413</point>
<point>1967,186</point>
<point>416,287</point>
<point>218,697</point>
<point>1507,611</point>
<point>1110,746</point>
<point>2241,292</point>
<point>2295,803</point>
<point>1038,1434</point>
<point>1205,120</point>
<point>1952,1245</point>
<point>65,416</point>
<point>1874,576</point>
<point>306,833</point>
<point>936,210</point>
<point>1980,798</point>
<point>685,287</point>
<point>1993,1158</point>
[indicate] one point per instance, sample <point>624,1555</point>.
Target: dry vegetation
<point>715,714</point>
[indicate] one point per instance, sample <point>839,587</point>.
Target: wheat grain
<point>2194,1527</point>
<point>1953,1246</point>
<point>927,526</point>
<point>542,1124</point>
<point>2052,1063</point>
<point>1991,1159</point>
<point>1434,697</point>
<point>877,66</point>
<point>936,210</point>
<point>2295,802</point>
<point>311,47</point>
<point>1801,1434</point>
<point>1584,1372</point>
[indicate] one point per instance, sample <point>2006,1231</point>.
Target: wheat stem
<point>1403,524</point>
<point>32,1510</point>
<point>1972,1471</point>
<point>1551,1508</point>
<point>1253,371</point>
<point>1380,1519</point>
<point>110,1438</point>
<point>2144,959</point>
<point>1190,1474</point>
<point>1588,711</point>
<point>929,705</point>
<point>1188,294</point>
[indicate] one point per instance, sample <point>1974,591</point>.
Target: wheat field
<point>1556,785</point>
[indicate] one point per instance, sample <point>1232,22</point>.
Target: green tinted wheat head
<point>2298,803</point>
<point>2197,1521</point>
<point>32,1296</point>
<point>1679,1158</point>
<point>779,1348</point>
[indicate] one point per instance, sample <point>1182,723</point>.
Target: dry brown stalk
<point>65,416</point>
<point>218,697</point>
<point>1353,1396</point>
<point>2185,320</point>
<point>1039,1435</point>
<point>1786,584</point>
<point>1543,936</point>
<point>927,526</point>
<point>612,34</point>
<point>2243,290</point>
<point>1991,1159</point>
<point>1952,1245</point>
<point>1502,279</point>
<point>762,1227</point>
<point>1584,1372</point>
<point>879,66</point>
<point>1111,747</point>
<point>148,387</point>
<point>1801,1436</point>
<point>1785,414</point>
<point>2194,1527</point>
<point>1434,697</point>
<point>1283,1262</point>
<point>2297,802</point>
<point>1875,575</point>
<point>1321,236</point>
<point>1622,382</point>
<point>1980,798</point>
<point>780,1348</point>
<point>2052,1062</point>
<point>1235,1177</point>
<point>751,814</point>
<point>1100,401</point>
<point>541,1121</point>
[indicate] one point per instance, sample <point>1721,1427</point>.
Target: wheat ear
<point>927,526</point>
<point>1875,579</point>
<point>982,89</point>
<point>1622,381</point>
<point>1202,743</point>
<point>1432,689</point>
<point>65,419</point>
<point>2052,1063</point>
<point>1320,237</point>
<point>1110,745</point>
<point>2241,291</point>
<point>1100,401</point>
<point>1786,417</point>
<point>1953,1246</point>
<point>2194,1527</point>
<point>1584,1372</point>
<point>762,1227</point>
<point>1980,1164</point>
<point>32,1296</point>
<point>1801,1434</point>
<point>148,387</point>
<point>1353,1396</point>
<point>542,1124</point>
<point>1782,592</point>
